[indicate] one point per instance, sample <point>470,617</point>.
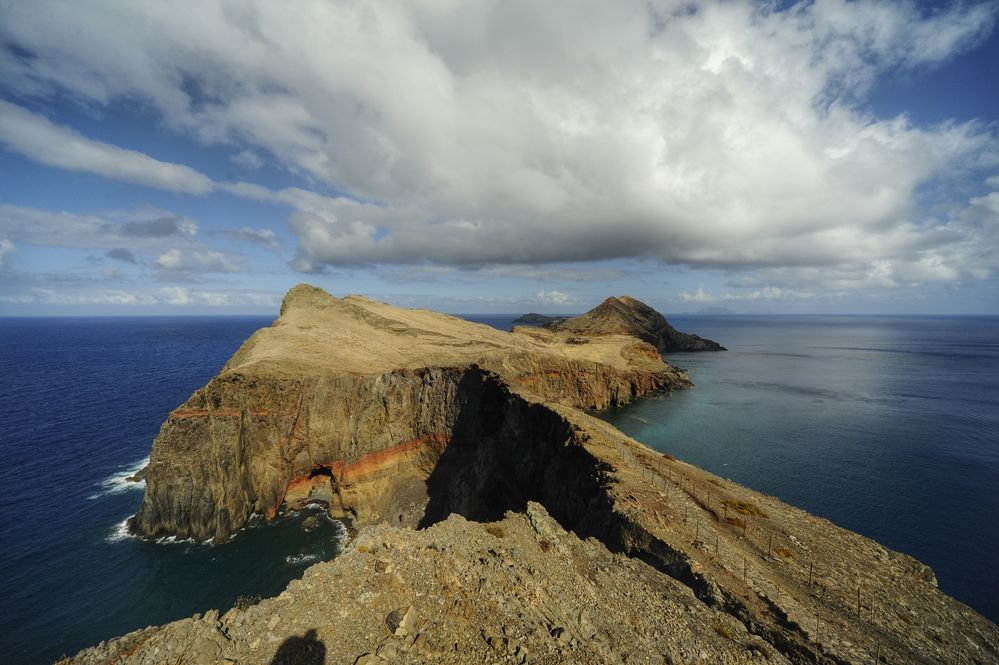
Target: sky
<point>503,156</point>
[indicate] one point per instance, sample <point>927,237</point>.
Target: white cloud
<point>699,295</point>
<point>175,260</point>
<point>553,298</point>
<point>6,249</point>
<point>247,159</point>
<point>181,297</point>
<point>143,229</point>
<point>56,145</point>
<point>713,134</point>
<point>90,297</point>
<point>171,296</point>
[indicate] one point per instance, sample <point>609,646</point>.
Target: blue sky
<point>815,157</point>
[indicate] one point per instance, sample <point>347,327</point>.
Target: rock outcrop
<point>544,534</point>
<point>533,319</point>
<point>627,316</point>
<point>354,402</point>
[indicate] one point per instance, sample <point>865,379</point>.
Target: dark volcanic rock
<point>627,316</point>
<point>139,475</point>
<point>534,319</point>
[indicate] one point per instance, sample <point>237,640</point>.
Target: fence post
<point>858,602</point>
<point>770,540</point>
<point>877,657</point>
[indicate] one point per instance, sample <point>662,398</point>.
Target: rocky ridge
<point>628,316</point>
<point>546,535</point>
<point>352,403</point>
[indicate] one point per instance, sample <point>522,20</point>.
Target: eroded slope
<point>352,402</point>
<point>703,570</point>
<point>629,316</point>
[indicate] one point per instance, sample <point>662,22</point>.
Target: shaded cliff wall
<point>366,445</point>
<point>237,444</point>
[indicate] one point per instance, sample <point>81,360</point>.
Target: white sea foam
<point>119,482</point>
<point>120,532</point>
<point>172,540</point>
<point>298,559</point>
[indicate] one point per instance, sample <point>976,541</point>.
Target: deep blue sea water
<point>888,426</point>
<point>82,400</point>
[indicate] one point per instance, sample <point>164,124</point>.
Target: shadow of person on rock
<point>305,650</point>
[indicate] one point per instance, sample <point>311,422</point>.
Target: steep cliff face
<point>332,404</point>
<point>628,316</point>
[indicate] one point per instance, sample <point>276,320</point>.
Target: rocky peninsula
<point>496,520</point>
<point>539,320</point>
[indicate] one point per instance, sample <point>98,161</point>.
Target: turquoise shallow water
<point>886,426</point>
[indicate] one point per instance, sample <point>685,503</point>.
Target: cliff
<point>544,535</point>
<point>628,316</point>
<point>352,402</point>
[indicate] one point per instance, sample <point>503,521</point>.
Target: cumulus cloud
<point>6,248</point>
<point>726,135</point>
<point>36,137</point>
<point>553,298</point>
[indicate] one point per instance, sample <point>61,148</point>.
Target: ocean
<point>887,426</point>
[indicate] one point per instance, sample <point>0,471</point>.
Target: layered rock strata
<point>583,545</point>
<point>353,402</point>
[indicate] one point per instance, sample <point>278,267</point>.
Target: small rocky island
<point>496,520</point>
<point>628,316</point>
<point>538,320</point>
<point>625,316</point>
